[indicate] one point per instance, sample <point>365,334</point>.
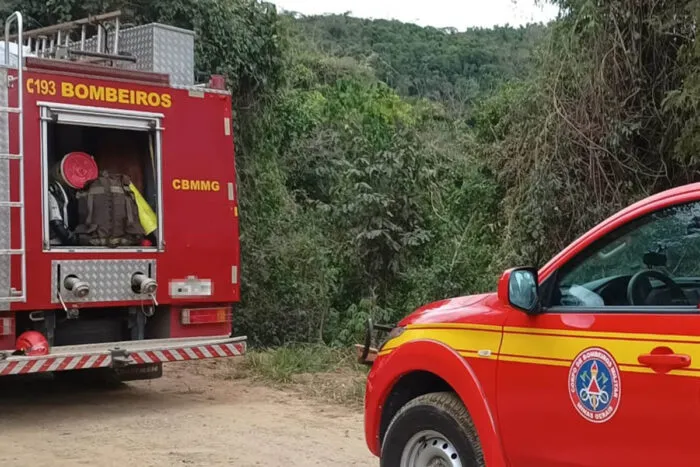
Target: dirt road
<point>189,417</point>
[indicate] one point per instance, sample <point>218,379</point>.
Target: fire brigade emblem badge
<point>594,385</point>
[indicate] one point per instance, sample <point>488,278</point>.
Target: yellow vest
<point>148,218</point>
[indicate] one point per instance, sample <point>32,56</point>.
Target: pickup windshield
<point>667,241</point>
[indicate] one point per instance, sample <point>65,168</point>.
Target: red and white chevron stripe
<point>102,358</point>
<point>25,365</point>
<point>189,353</point>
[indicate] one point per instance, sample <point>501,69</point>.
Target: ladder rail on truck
<point>59,83</point>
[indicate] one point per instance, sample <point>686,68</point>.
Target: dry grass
<point>327,373</point>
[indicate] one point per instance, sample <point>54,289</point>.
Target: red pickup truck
<point>591,361</point>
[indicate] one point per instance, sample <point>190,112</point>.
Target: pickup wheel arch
<point>446,420</point>
<point>407,388</point>
<point>423,362</point>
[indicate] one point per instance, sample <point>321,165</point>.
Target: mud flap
<point>139,372</point>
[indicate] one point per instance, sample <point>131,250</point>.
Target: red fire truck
<point>127,97</point>
<point>591,361</point>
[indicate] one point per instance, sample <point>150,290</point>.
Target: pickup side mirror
<point>519,288</point>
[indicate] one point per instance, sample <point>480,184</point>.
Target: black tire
<point>442,412</point>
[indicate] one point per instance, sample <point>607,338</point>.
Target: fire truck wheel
<point>432,430</point>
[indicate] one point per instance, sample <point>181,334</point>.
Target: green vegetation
<point>598,126</point>
<point>328,373</point>
<point>283,363</point>
<point>384,165</point>
<point>455,68</point>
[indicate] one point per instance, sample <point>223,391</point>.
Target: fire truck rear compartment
<point>93,325</point>
<point>116,150</point>
<point>93,328</point>
<point>143,322</point>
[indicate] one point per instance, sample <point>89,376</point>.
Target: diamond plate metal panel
<point>137,41</point>
<point>173,53</point>
<point>110,280</point>
<point>157,47</point>
<point>4,193</point>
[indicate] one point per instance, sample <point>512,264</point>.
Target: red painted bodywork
<point>461,375</point>
<point>522,411</point>
<point>200,228</point>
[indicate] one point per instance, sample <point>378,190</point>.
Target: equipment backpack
<point>107,213</point>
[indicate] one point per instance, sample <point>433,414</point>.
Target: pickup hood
<point>467,309</point>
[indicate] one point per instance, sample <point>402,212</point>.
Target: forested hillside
<point>441,64</point>
<point>383,165</point>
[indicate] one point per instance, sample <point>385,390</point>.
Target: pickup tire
<point>430,427</point>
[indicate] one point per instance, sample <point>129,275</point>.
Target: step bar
<point>122,354</point>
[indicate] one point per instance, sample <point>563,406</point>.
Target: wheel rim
<point>430,449</point>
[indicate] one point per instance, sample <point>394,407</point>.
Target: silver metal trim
<point>18,299</point>
<point>98,250</point>
<point>163,26</point>
<point>99,36</point>
<point>20,104</point>
<point>199,88</point>
<point>44,154</point>
<point>153,125</point>
<point>11,252</point>
<point>159,186</point>
<point>17,17</point>
<point>10,157</point>
<point>103,121</point>
<point>137,114</point>
<point>149,344</point>
<point>116,36</point>
<point>45,108</point>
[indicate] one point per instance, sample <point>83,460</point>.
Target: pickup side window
<point>652,262</point>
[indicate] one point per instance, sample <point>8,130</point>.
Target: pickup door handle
<point>663,360</point>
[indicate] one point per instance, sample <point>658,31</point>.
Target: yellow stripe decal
<point>560,332</point>
<point>535,361</point>
<point>604,335</point>
<point>554,347</point>
<point>482,327</point>
<point>458,339</point>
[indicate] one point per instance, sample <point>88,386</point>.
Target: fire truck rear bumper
<point>121,354</point>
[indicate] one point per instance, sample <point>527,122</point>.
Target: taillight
<point>205,315</point>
